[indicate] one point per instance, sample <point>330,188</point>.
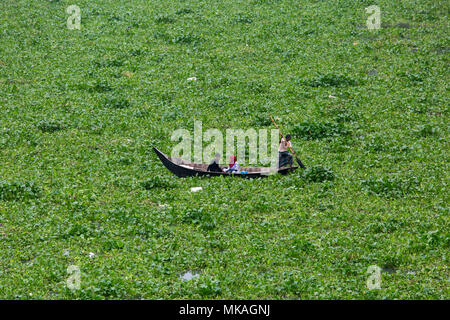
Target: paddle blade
<point>300,163</point>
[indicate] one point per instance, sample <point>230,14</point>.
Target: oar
<point>290,148</point>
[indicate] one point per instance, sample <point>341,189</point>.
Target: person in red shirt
<point>233,166</point>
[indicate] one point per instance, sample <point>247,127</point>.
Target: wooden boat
<point>183,168</point>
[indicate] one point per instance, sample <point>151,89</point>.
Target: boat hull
<point>183,171</point>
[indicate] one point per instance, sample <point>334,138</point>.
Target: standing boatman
<point>284,157</point>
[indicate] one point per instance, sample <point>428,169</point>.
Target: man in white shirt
<point>284,157</point>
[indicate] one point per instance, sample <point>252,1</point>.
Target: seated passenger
<point>233,165</point>
<point>214,165</point>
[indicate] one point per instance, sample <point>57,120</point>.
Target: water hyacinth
<point>80,185</point>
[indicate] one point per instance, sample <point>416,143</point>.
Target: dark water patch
<point>114,17</point>
<point>50,126</point>
<point>389,270</point>
<point>97,86</point>
<point>18,190</point>
<point>137,52</point>
<point>116,102</point>
<point>164,18</point>
<point>242,18</point>
<point>183,11</point>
